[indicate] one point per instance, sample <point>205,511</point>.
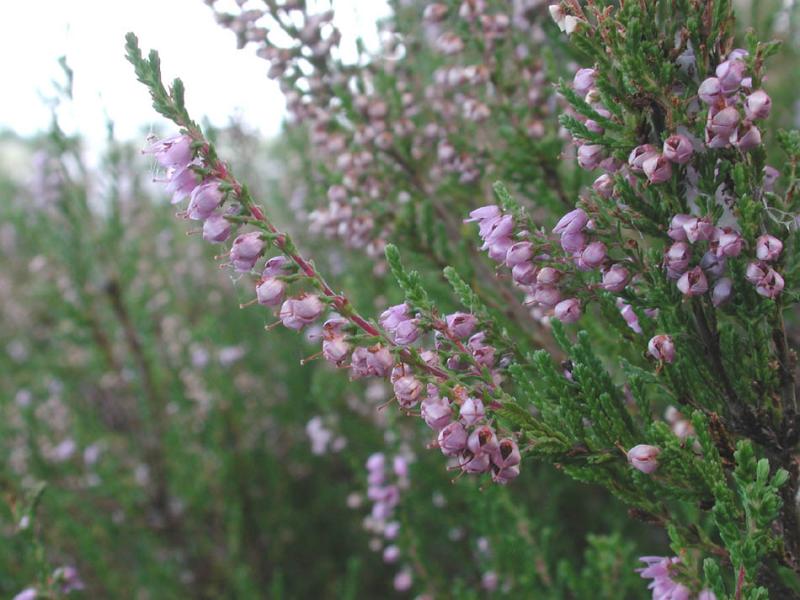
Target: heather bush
<point>529,279</point>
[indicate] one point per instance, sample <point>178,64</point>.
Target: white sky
<point>220,79</point>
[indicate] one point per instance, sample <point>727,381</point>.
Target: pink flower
<point>507,454</point>
<point>693,282</point>
<point>729,243</point>
<point>615,278</point>
<point>593,255</point>
<point>664,588</point>
<point>568,311</point>
<point>730,74</point>
<point>722,291</point>
<point>676,259</point>
<point>173,152</point>
<point>452,439</point>
<point>746,137</point>
<point>403,580</point>
<point>216,228</point>
<point>573,242</point>
<point>482,440</point>
<point>768,247</point>
<point>590,156</point>
<point>698,230</point>
<point>572,222</point>
<point>639,155</point>
<point>678,149</point>
<point>246,250</point>
<point>407,389</point>
<point>584,81</point>
<point>519,253</point>
<point>604,185</point>
<point>676,230</point>
<point>300,311</point>
<point>644,458</point>
<point>657,169</point>
<point>661,347</point>
<point>471,411</point>
<point>757,105</point>
<point>270,291</point>
<point>771,285</point>
<point>710,91</point>
<point>204,200</point>
<point>461,324</point>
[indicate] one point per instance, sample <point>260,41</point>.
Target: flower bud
<point>558,15</point>
<point>483,441</point>
<point>300,311</point>
<point>335,349</point>
<point>721,292</point>
<point>436,413</point>
<point>484,213</point>
<point>406,332</point>
<point>676,230</point>
<point>519,253</point>
<point>590,156</point>
<point>755,272</point>
<point>461,324</point>
<point>507,454</point>
<point>216,229</point>
<point>572,222</point>
<point>615,278</point>
<point>475,463</point>
<point>771,285</point>
<point>173,152</point>
<point>657,169</point>
<point>403,580</point>
<point>471,411</point>
<point>391,318</point>
<point>407,389</point>
<point>593,255</point>
<point>730,74</point>
<point>757,105</point>
<point>548,276</point>
<point>771,175</point>
<point>676,259</point>
<point>713,265</point>
<point>584,81</point>
<point>644,458</point>
<point>452,439</point>
<point>524,273</point>
<point>205,198</point>
<point>768,247</point>
<point>246,250</point>
<point>724,122</point>
<point>710,91</point>
<point>270,291</point>
<point>568,311</point>
<point>693,282</point>
<point>698,230</point>
<point>678,149</point>
<point>729,243</point>
<point>661,347</point>
<point>573,242</point>
<point>746,137</point>
<point>639,155</point>
<point>546,295</point>
<point>630,316</point>
<point>604,185</point>
<point>391,554</point>
<point>504,476</point>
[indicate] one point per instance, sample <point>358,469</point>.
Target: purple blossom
<point>205,198</point>
<point>270,291</point>
<point>757,105</point>
<point>693,282</point>
<point>644,458</point>
<point>572,222</point>
<point>661,347</point>
<point>678,149</point>
<point>246,250</point>
<point>768,247</point>
<point>461,324</point>
<point>300,311</point>
<point>452,439</point>
<point>615,278</point>
<point>216,228</point>
<point>568,311</point>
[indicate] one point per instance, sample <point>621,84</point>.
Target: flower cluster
<point>661,570</point>
<point>721,243</point>
<point>723,94</point>
<point>385,496</point>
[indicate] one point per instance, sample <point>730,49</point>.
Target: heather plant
<point>666,285</point>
